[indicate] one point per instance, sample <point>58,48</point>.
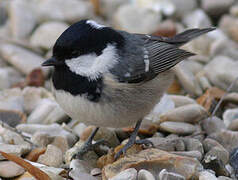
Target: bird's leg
<point>132,140</point>
<point>88,145</point>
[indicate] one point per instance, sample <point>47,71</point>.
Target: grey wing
<point>146,56</point>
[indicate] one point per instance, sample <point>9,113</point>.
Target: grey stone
<point>205,175</point>
<point>9,169</point>
<point>22,59</point>
<point>225,47</point>
<point>223,178</point>
<point>230,117</point>
<point>53,156</point>
<point>22,18</point>
<point>165,175</point>
<point>52,130</point>
<point>184,6</point>
<point>219,75</point>
<point>11,99</point>
<point>8,77</point>
<point>130,18</point>
<point>212,124</point>
<point>193,144</point>
<point>180,100</point>
<point>231,98</point>
<point>197,19</point>
<point>187,80</point>
<point>191,113</point>
<point>216,8</point>
<point>33,96</point>
<point>209,143</point>
<point>179,128</point>
<point>168,144</point>
<point>220,153</point>
<point>128,174</point>
<point>145,175</point>
<point>41,139</point>
<point>69,11</point>
<point>47,33</point>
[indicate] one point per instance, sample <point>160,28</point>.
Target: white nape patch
<point>94,24</point>
<point>146,60</point>
<point>91,65</point>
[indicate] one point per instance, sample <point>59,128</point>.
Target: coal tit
<point>111,78</point>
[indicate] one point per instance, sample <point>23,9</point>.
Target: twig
<point>222,98</point>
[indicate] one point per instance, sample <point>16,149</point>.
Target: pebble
<point>9,77</point>
<point>96,172</point>
<point>187,80</point>
<point>223,178</point>
<point>230,117</point>
<point>22,59</point>
<point>216,8</point>
<point>218,75</point>
<point>41,139</point>
<point>229,25</point>
<point>225,47</point>
<point>145,175</point>
<point>209,143</point>
<point>220,153</point>
<point>192,154</point>
<point>186,166</point>
<point>47,33</point>
<point>168,144</point>
<point>228,139</point>
<point>52,130</point>
<point>193,144</point>
<point>197,19</point>
<point>128,174</point>
<point>33,96</point>
<point>234,10</point>
<point>205,175</point>
<point>213,124</point>
<point>131,18</point>
<point>11,99</point>
<point>12,117</point>
<point>184,6</point>
<point>70,11</point>
<point>192,113</point>
<point>79,166</point>
<point>20,12</point>
<point>17,150</point>
<point>231,98</point>
<point>179,128</point>
<point>165,175</point>
<point>9,169</point>
<point>180,100</point>
<point>53,156</point>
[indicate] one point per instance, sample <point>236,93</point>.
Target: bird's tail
<point>186,36</point>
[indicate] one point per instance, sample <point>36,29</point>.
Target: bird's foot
<point>88,146</point>
<point>130,143</point>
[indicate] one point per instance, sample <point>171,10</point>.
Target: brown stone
<point>35,153</point>
<point>35,78</point>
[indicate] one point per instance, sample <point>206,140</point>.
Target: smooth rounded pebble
<point>9,169</point>
<point>128,174</point>
<point>145,175</point>
<point>180,128</point>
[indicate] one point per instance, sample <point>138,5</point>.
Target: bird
<point>112,78</point>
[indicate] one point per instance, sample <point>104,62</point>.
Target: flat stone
<point>180,100</point>
<point>213,124</point>
<point>180,128</point>
<point>22,59</point>
<point>205,175</point>
<point>70,11</point>
<point>47,33</point>
<point>193,144</point>
<point>191,113</point>
<point>52,130</point>
<point>131,18</point>
<point>145,175</point>
<point>168,144</point>
<point>192,154</point>
<point>154,160</point>
<point>9,169</point>
<point>219,75</point>
<point>17,150</point>
<point>20,12</point>
<point>53,156</point>
<point>130,174</point>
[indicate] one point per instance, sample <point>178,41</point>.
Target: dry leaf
<point>37,173</point>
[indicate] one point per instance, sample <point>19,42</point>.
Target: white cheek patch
<point>95,24</point>
<point>91,65</point>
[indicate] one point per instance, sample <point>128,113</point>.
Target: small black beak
<point>51,62</point>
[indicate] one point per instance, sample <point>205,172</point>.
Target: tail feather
<point>187,36</point>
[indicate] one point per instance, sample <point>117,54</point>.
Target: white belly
<point>119,105</point>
